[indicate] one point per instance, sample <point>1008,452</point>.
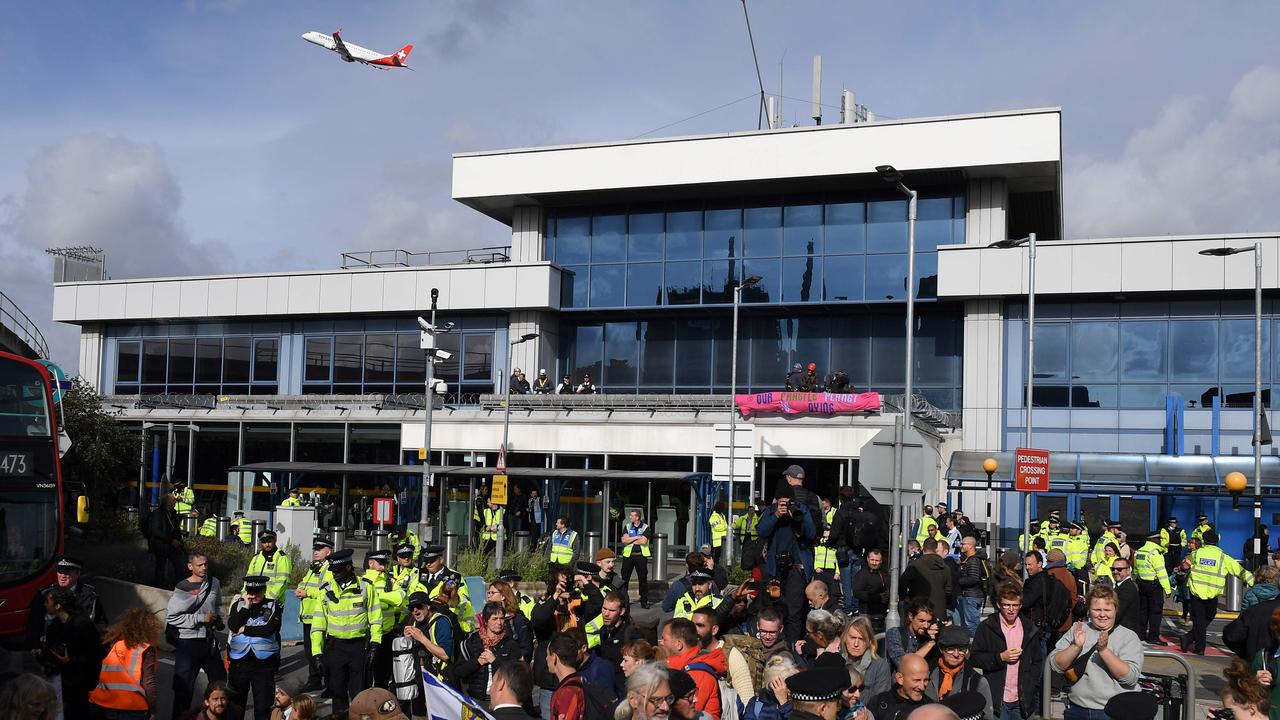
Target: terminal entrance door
<point>1134,512</point>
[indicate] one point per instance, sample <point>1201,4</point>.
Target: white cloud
<point>1201,166</point>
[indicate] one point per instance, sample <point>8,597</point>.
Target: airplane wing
<point>341,47</point>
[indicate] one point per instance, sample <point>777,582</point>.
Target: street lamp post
<point>1030,242</point>
<point>892,176</point>
<point>506,433</point>
<point>1259,412</point>
<point>733,415</point>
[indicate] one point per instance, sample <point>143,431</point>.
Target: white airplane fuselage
<point>357,52</point>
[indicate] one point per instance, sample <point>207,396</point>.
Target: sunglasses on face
<point>417,606</point>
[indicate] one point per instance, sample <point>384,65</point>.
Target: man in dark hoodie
<point>789,530</point>
<point>973,575</point>
<point>928,577</point>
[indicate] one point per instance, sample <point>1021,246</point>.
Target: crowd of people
<point>798,637</point>
<point>518,384</point>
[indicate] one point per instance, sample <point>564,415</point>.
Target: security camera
<point>426,326</point>
<point>439,386</point>
<point>441,355</point>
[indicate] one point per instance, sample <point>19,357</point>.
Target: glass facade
<point>232,365</point>
<point>1135,354</point>
<point>694,354</point>
<point>814,249</point>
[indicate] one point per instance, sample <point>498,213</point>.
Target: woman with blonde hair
<point>304,708</point>
<point>858,646</point>
<point>28,697</point>
<point>127,682</point>
<point>772,702</point>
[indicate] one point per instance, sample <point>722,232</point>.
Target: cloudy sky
<point>208,136</point>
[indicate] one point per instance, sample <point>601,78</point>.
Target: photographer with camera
<point>790,531</point>
<point>192,621</point>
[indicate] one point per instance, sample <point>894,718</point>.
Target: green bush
<point>228,561</point>
<point>299,565</point>
<point>530,564</point>
<point>737,575</point>
<point>107,527</point>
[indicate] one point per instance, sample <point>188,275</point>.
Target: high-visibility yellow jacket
<point>1166,536</point>
<point>186,499</point>
<point>687,604</point>
<point>317,579</point>
<point>923,531</point>
<point>492,524</point>
<point>719,529</point>
<point>1100,547</point>
<point>1148,565</point>
<point>209,528</point>
<point>630,530</point>
<point>391,598</point>
<point>1201,529</point>
<point>1077,551</point>
<point>347,611</point>
<point>291,502</point>
<point>1210,567</point>
<point>277,568</point>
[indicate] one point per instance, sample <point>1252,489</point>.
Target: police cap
<point>509,575</point>
<point>66,564</point>
<point>404,550</point>
<point>967,705</point>
<point>267,536</point>
<point>586,568</point>
<point>255,583</point>
<point>699,576</point>
<point>380,556</point>
<point>431,552</point>
<point>321,541</point>
<point>341,557</point>
<point>818,684</point>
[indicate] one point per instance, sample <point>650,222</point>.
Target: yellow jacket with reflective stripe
<point>244,530</point>
<point>1100,547</point>
<point>1210,567</point>
<point>346,611</point>
<point>1077,551</point>
<point>562,546</point>
<point>824,557</point>
<point>390,597</point>
<point>185,501</point>
<point>630,530</point>
<point>1165,536</point>
<point>209,528</point>
<point>740,527</point>
<point>719,529</point>
<point>408,579</point>
<point>1148,565</point>
<point>291,502</point>
<point>463,609</point>
<point>492,524</point>
<point>316,580</point>
<point>277,569</point>
<point>686,604</point>
<point>1198,533</point>
<point>923,531</point>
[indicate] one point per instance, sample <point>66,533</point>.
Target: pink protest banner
<point>795,403</point>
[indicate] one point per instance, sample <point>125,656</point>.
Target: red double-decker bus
<point>32,516</point>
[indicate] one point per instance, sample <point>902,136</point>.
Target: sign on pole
<point>498,493</point>
<point>1031,470</point>
<point>383,511</point>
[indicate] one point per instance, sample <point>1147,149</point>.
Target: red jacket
<point>708,686</point>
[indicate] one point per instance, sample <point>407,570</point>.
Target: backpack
<point>455,627</point>
<point>1057,604</point>
<point>752,554</point>
<point>730,702</point>
<point>751,650</point>
<point>599,702</point>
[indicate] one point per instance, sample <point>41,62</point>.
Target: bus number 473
<point>14,464</point>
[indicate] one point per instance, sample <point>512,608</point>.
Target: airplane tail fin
<point>403,54</point>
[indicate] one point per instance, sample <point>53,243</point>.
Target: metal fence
<point>408,258</point>
<point>17,322</point>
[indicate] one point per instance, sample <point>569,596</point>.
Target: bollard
<point>258,526</point>
<point>379,539</point>
<point>593,546</point>
<point>450,548</point>
<point>339,536</point>
<point>189,526</point>
<point>522,541</point>
<point>660,557</point>
<point>1233,597</point>
<point>224,528</point>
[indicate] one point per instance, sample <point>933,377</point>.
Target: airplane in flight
<point>355,53</point>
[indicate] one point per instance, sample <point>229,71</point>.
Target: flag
<point>445,703</point>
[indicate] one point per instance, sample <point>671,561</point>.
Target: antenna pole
<point>756,60</point>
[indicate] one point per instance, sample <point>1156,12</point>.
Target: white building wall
<point>985,221</point>
<point>91,343</point>
<point>983,372</point>
<point>527,226</point>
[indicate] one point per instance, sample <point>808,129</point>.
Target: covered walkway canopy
<point>1076,472</point>
<point>465,471</point>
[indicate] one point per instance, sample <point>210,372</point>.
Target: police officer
<point>1025,539</point>
<point>826,565</point>
<point>404,573</point>
<point>209,528</point>
<point>636,536</point>
<point>1202,526</point>
<point>1057,538</point>
<point>564,543</point>
<point>1077,549</point>
<point>719,528</point>
<point>406,535</point>
<point>697,596</point>
<point>183,499</point>
<point>818,693</point>
<point>1153,583</point>
<point>347,630</point>
<point>586,591</point>
<point>253,648</point>
<point>242,526</point>
<point>1209,567</point>
<point>1172,539</point>
<point>512,578</point>
<point>491,525</point>
<point>294,499</point>
<point>437,577</point>
<point>274,564</point>
<point>310,591</point>
<point>390,601</point>
<point>1108,536</point>
<point>926,525</point>
<point>67,575</point>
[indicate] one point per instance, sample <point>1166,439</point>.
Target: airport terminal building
<point>623,261</point>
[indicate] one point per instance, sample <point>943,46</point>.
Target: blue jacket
<point>794,534</point>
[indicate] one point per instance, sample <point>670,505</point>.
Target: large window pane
<point>886,277</point>
<point>937,349</point>
<point>684,283</point>
<point>588,349</point>
<point>608,238</point>
<point>209,360</point>
<point>182,359</point>
<point>1142,396</point>
<point>266,360</point>
<point>154,359</point>
<point>887,226</point>
<point>1095,351</point>
<point>850,348</point>
<point>379,359</point>
<point>802,230</point>
<point>1237,349</point>
<point>235,360</point>
<point>926,275</point>
<point>1051,351</point>
<point>801,279</point>
<point>346,359</point>
<point>644,236</point>
<point>717,281</point>
<point>549,238</point>
<point>477,359</point>
<point>658,355</point>
<point>846,228</point>
<point>888,351</point>
<point>933,223</point>
<point>1094,396</point>
<point>813,343</point>
<point>1195,350</point>
<point>763,228</point>
<point>722,233</point>
<point>446,370</point>
<point>1143,355</point>
<point>411,368</point>
<point>572,239</point>
<point>319,359</point>
<point>768,354</point>
<point>644,284</point>
<point>957,221</point>
<point>127,359</point>
<point>573,286</point>
<point>769,289</point>
<point>693,345</point>
<point>607,288</point>
<point>843,278</point>
<point>684,235</point>
<point>722,364</point>
<point>621,353</point>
